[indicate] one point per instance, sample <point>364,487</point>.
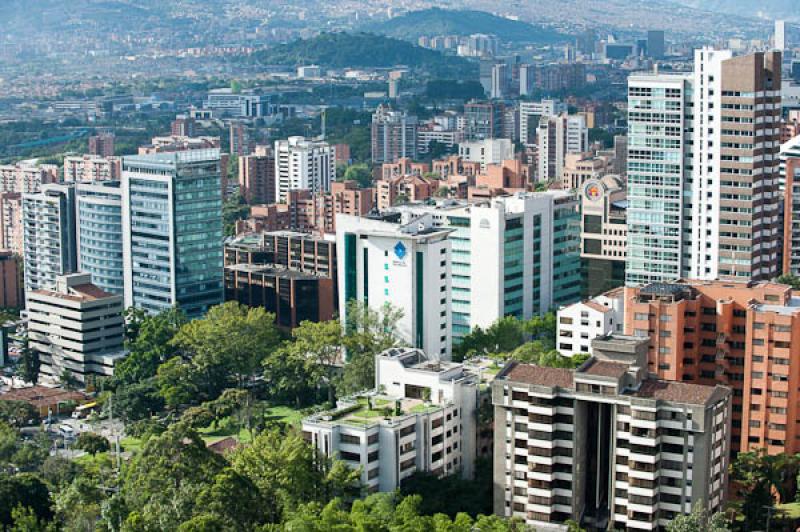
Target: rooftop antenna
<point>324,115</point>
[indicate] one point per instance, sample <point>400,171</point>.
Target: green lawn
<point>130,444</point>
<point>227,427</point>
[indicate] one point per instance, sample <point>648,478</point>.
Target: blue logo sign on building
<point>400,251</point>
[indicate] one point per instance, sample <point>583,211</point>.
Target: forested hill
<point>436,21</point>
<point>341,50</point>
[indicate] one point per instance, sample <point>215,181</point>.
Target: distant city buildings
<point>227,103</point>
<point>394,135</point>
<point>102,145</point>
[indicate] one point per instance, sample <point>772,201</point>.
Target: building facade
<point>556,137</point>
<point>604,233</point>
<point>99,234</point>
<point>394,135</point>
<point>735,229</point>
<point>76,327</point>
<point>257,176</point>
<point>87,168</point>
<point>660,120</point>
<point>303,164</point>
<point>742,335</point>
<point>429,425</point>
<point>713,134</point>
<point>404,264</point>
<point>172,231</point>
<point>49,239</point>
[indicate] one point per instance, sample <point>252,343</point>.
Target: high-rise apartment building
<point>303,163</point>
<point>483,120</point>
<point>394,135</point>
<point>607,445</point>
<point>737,120</point>
<point>172,231</point>
<point>742,335</point>
<point>183,126</point>
<point>791,216</point>
<point>659,176</point>
<point>25,178</point>
<point>780,35</point>
<point>703,170</point>
<point>500,81</point>
<point>11,227</point>
<point>76,327</point>
<point>99,234</point>
<point>50,250</point>
<point>11,292</point>
<point>239,139</point>
<point>531,113</point>
<point>257,176</point>
<point>556,137</point>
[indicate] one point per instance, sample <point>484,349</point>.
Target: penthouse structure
<point>426,422</point>
<point>607,445</point>
<point>742,335</point>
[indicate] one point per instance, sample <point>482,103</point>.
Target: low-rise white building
<point>421,417</point>
<point>582,322</point>
<point>76,327</point>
